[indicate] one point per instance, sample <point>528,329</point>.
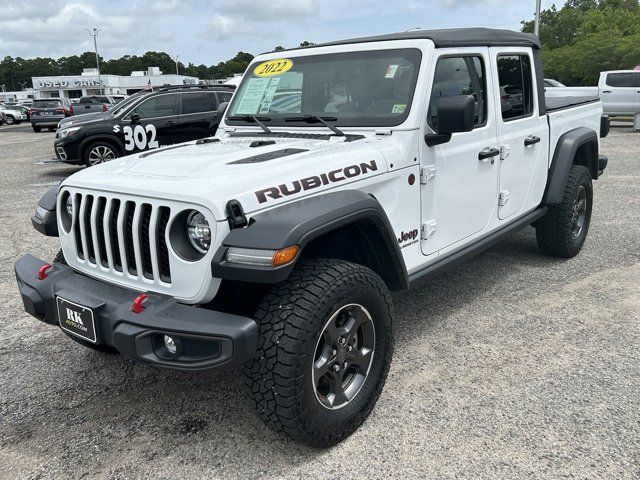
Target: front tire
<point>324,351</point>
<point>36,128</point>
<point>563,230</point>
<point>99,152</point>
<point>10,120</point>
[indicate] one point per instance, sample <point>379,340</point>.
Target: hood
<point>252,170</point>
<point>85,118</point>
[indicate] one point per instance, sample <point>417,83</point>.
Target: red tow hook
<point>136,306</point>
<point>42,271</point>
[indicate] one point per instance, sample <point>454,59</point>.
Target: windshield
<point>372,88</point>
<point>121,105</point>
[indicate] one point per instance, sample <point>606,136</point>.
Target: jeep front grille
<point>124,236</point>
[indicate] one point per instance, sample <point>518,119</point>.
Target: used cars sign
<point>66,82</point>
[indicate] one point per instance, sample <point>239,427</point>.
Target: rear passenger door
<point>198,115</point>
<point>620,92</point>
<point>522,133</point>
<point>157,125</point>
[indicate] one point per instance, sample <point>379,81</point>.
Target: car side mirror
<point>135,118</point>
<point>221,109</point>
<point>455,114</point>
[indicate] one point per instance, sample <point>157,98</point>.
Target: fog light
<point>170,344</point>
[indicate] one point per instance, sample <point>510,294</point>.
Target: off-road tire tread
<point>283,318</point>
<point>553,231</point>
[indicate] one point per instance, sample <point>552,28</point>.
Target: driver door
<point>157,119</point>
<point>459,178</point>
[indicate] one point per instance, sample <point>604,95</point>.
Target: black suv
<point>146,120</point>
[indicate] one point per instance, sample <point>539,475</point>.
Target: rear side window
<point>160,106</point>
<point>454,76</point>
<point>198,102</point>
<point>224,97</point>
<point>623,79</point>
<point>516,86</point>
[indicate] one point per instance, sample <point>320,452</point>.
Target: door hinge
<point>427,174</point>
<point>428,229</point>
<point>505,151</point>
<point>503,198</point>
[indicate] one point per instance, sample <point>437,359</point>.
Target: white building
<point>88,83</point>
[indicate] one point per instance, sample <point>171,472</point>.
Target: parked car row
<point>14,114</point>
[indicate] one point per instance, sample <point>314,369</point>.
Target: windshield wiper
<point>317,119</point>
<point>252,118</point>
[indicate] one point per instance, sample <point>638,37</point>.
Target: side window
<point>198,102</point>
<point>621,80</point>
<point>516,86</point>
<point>160,106</point>
<point>224,97</point>
<point>459,76</point>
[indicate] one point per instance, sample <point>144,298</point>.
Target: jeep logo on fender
<point>404,236</point>
<point>315,181</point>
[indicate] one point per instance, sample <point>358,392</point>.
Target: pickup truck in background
<point>275,244</point>
<point>618,90</point>
<point>92,104</point>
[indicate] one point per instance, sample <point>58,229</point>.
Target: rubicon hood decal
<point>315,181</point>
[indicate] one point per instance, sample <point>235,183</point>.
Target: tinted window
<point>198,102</point>
<point>516,86</point>
<point>160,106</point>
<point>459,76</point>
<point>46,103</point>
<point>224,97</point>
<point>623,80</point>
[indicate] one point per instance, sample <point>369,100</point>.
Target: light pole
<point>536,28</point>
<point>94,33</point>
<point>176,59</point>
<point>22,85</point>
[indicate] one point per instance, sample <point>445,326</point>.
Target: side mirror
<point>221,109</point>
<point>455,114</point>
<point>135,118</point>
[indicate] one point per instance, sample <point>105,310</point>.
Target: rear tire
<point>51,129</point>
<point>99,152</point>
<point>59,258</point>
<point>324,351</point>
<point>563,230</point>
<point>36,128</point>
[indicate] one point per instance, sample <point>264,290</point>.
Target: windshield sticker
<point>399,108</point>
<point>391,71</point>
<point>273,68</point>
<point>268,94</point>
<point>253,94</point>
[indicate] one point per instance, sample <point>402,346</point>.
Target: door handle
<point>488,153</point>
<point>171,122</point>
<point>531,140</point>
<point>606,91</point>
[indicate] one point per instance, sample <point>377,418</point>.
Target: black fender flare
<point>44,220</point>
<point>301,222</point>
<point>563,158</point>
<point>101,136</point>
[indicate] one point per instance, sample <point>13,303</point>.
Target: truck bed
<point>559,103</point>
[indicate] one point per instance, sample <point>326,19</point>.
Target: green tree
<point>586,37</point>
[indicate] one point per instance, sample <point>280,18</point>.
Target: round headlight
<point>198,231</point>
<point>69,206</point>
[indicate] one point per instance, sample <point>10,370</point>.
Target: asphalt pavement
<point>514,365</point>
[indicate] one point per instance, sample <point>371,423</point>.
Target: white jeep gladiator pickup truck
<point>341,172</point>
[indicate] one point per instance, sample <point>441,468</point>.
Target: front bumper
<point>208,340</point>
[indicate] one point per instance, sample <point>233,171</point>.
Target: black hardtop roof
<point>452,37</point>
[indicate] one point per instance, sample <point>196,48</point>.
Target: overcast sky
<point>212,31</point>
